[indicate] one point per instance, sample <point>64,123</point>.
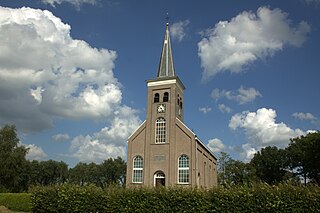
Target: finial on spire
<point>166,68</point>
<point>167,18</point>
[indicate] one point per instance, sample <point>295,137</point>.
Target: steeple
<point>166,68</point>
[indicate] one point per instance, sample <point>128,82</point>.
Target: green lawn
<point>16,202</point>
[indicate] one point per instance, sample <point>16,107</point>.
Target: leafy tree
<point>269,165</point>
<point>47,172</point>
<point>94,174</point>
<point>114,171</point>
<point>12,160</point>
<point>304,156</point>
<point>78,174</point>
<point>232,172</point>
<point>35,173</point>
<point>121,166</point>
<point>111,171</point>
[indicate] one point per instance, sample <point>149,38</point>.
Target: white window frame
<point>160,130</point>
<point>137,175</point>
<point>183,169</point>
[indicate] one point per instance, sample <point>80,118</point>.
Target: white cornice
<point>206,147</point>
<point>165,82</point>
<point>186,127</point>
<point>137,129</point>
<point>158,83</point>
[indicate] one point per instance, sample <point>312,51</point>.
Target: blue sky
<point>72,73</point>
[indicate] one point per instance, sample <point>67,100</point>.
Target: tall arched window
<point>166,97</point>
<point>160,130</point>
<point>137,176</point>
<point>183,169</point>
<point>156,98</point>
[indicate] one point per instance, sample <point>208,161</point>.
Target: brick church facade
<point>163,151</point>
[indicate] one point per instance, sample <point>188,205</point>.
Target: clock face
<point>161,108</point>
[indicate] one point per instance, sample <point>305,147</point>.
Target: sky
<point>73,72</point>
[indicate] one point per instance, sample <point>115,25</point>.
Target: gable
<point>137,132</point>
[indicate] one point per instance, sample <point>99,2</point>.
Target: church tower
<point>163,150</point>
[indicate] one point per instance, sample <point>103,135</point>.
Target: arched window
<point>160,130</point>
<point>166,97</point>
<point>180,103</point>
<point>156,98</point>
<point>137,176</point>
<point>183,169</point>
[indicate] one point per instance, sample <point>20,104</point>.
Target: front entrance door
<point>159,179</point>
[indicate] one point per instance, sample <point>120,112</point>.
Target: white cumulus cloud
<point>233,45</point>
<point>215,145</point>
<point>109,141</point>
<point>178,29</point>
<point>248,151</point>
<point>35,152</point>
<point>242,95</point>
<point>262,130</point>
<point>45,73</point>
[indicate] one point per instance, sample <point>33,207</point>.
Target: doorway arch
<point>159,179</point>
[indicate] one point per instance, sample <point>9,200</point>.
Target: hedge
<point>16,201</point>
<point>260,198</point>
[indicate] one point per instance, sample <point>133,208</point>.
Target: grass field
<point>15,202</point>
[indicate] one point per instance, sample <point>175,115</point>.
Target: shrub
<point>259,198</point>
<point>68,198</point>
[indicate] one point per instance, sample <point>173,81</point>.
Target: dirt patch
<point>3,209</point>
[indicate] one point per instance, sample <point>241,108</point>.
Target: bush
<point>16,201</point>
<point>259,198</point>
<point>68,198</point>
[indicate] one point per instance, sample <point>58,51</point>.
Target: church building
<point>163,151</point>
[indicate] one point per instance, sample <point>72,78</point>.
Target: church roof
<point>166,68</point>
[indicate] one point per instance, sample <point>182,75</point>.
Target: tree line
<point>298,163</point>
<point>17,173</point>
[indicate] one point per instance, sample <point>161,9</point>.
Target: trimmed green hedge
<point>260,198</point>
<point>16,201</point>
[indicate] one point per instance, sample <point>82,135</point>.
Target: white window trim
<point>164,128</point>
<point>184,169</point>
<point>137,169</point>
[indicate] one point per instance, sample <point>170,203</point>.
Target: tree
<point>232,172</point>
<point>304,156</point>
<point>35,173</point>
<point>12,160</point>
<point>269,165</point>
<point>111,171</point>
<point>121,171</point>
<point>78,174</point>
<point>114,171</point>
<point>47,172</point>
